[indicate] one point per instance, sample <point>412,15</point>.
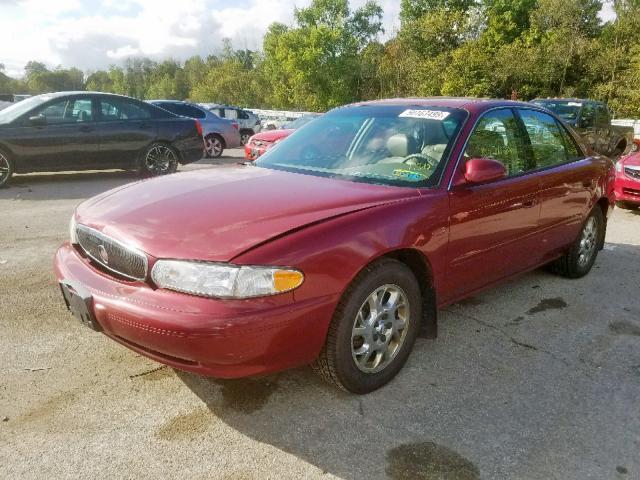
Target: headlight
<point>73,238</point>
<point>224,281</point>
<point>619,166</point>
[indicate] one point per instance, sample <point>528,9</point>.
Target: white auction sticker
<point>574,104</point>
<point>429,114</point>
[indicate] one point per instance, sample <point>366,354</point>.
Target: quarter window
<point>499,137</point>
<point>546,139</point>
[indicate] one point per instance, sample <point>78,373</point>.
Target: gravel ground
<point>536,379</point>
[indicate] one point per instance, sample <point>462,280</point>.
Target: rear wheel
<point>245,135</point>
<point>213,146</point>
<point>158,159</point>
<point>579,260</point>
<point>373,329</point>
<point>6,168</point>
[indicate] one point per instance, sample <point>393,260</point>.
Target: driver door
<point>64,137</point>
<point>493,226</point>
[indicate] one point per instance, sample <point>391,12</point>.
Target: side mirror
<point>38,120</point>
<point>483,170</point>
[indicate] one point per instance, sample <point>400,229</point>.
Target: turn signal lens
<point>285,280</point>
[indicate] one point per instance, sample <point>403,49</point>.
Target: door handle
<point>145,126</point>
<point>86,129</point>
<point>529,204</point>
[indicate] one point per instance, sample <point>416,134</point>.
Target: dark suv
<point>592,120</point>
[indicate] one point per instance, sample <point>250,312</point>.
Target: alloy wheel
<point>588,241</point>
<point>5,169</point>
<point>244,138</point>
<point>213,146</point>
<point>380,328</point>
<point>160,159</point>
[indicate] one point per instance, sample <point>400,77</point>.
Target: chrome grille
<point>632,172</point>
<point>111,254</point>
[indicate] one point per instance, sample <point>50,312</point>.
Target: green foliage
<point>332,55</point>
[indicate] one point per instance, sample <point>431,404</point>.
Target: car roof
<point>577,100</point>
<point>465,103</point>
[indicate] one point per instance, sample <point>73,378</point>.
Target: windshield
<point>566,110</point>
<point>299,122</point>
<point>388,145</point>
<point>16,110</point>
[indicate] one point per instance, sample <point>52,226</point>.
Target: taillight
<point>235,125</point>
<point>199,127</point>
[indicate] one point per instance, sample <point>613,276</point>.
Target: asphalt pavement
<point>536,379</point>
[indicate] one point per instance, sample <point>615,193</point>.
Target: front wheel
<point>158,159</point>
<point>6,169</point>
<point>373,329</point>
<point>213,146</point>
<point>627,206</point>
<point>579,260</point>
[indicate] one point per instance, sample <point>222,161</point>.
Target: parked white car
<point>249,123</point>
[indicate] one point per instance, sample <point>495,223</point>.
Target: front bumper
<point>219,338</point>
<point>627,189</point>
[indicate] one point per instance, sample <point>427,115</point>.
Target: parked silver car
<point>249,122</point>
<point>219,133</point>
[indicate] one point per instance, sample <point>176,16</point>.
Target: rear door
<point>64,137</point>
<point>493,226</point>
<point>567,179</point>
<point>126,127</point>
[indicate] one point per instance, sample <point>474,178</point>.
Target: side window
<point>243,115</point>
<point>499,137</point>
<point>192,112</point>
<point>67,111</point>
<point>573,151</point>
<point>602,116</point>
<point>231,113</point>
<point>118,109</point>
<point>587,116</point>
<point>545,136</point>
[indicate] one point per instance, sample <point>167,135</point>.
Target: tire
<point>343,359</point>
<point>158,159</point>
<point>213,146</point>
<point>579,260</point>
<point>245,135</point>
<point>627,206</point>
<point>6,169</point>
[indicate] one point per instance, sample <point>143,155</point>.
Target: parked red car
<point>263,141</point>
<point>341,244</point>
<point>627,187</point>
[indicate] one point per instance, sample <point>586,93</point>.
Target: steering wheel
<point>421,159</point>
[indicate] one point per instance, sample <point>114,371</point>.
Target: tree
<point>316,63</point>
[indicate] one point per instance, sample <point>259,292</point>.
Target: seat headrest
<point>83,116</point>
<point>400,145</point>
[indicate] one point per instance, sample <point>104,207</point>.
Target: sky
<point>94,34</point>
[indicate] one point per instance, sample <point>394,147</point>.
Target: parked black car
<point>94,131</point>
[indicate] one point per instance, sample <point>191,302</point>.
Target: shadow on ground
<point>522,381</point>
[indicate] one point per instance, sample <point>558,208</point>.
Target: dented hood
<point>217,214</point>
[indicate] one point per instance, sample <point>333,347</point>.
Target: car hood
<point>272,135</point>
<point>218,214</point>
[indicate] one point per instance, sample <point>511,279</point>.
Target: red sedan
<point>341,244</point>
<point>263,141</point>
<point>628,182</point>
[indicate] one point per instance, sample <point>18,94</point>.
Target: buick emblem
<point>104,256</point>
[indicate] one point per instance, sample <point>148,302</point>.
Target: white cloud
<point>92,34</point>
